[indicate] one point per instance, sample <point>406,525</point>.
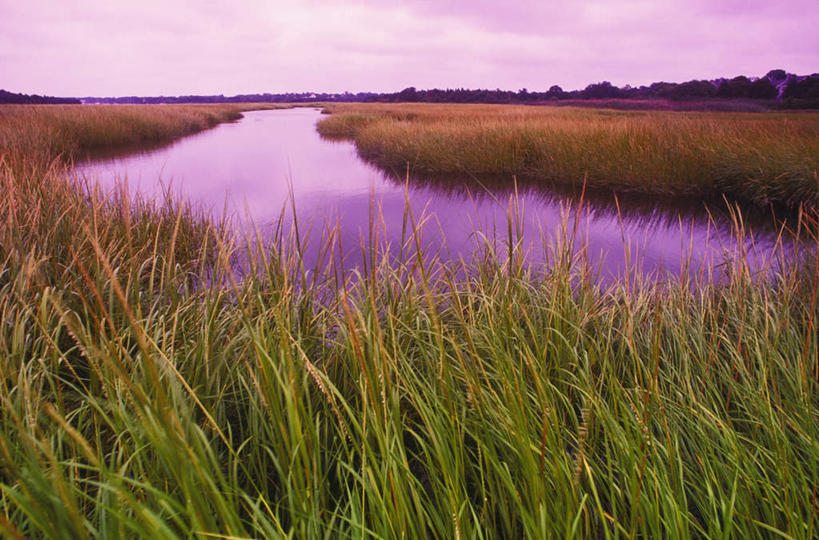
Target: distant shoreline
<point>776,90</point>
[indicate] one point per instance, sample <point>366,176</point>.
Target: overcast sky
<point>171,47</point>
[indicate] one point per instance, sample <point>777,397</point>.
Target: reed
<point>756,158</point>
<point>75,131</point>
<point>409,398</point>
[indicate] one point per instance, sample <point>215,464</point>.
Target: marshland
<point>165,372</point>
<point>757,158</point>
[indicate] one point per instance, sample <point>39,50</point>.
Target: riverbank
<point>401,401</point>
<point>759,159</point>
<point>68,132</point>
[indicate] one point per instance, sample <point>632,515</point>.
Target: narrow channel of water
<point>250,168</point>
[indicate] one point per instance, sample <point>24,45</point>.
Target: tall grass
<point>392,400</point>
<point>757,158</point>
<point>75,131</point>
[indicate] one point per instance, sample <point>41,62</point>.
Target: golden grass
<point>758,158</point>
<point>46,132</point>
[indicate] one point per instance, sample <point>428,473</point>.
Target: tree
<point>693,90</point>
<point>602,90</point>
<point>408,94</point>
<point>555,92</point>
<point>662,89</point>
<point>776,75</point>
<point>762,89</point>
<point>738,87</point>
<point>807,88</point>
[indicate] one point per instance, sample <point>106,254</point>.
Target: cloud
<point>94,47</point>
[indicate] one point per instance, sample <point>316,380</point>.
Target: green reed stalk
<point>473,399</point>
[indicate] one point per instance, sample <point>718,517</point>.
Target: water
<point>252,167</point>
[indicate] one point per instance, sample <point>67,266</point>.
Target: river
<point>253,167</point>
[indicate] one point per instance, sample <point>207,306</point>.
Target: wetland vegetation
<point>756,158</point>
<point>147,389</point>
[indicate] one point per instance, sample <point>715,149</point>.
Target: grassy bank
<point>757,158</point>
<point>75,131</point>
<point>398,402</point>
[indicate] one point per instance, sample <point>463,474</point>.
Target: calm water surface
<point>251,167</point>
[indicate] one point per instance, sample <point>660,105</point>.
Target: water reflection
<point>253,167</point>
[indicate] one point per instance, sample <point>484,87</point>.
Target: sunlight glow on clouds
<point>96,47</point>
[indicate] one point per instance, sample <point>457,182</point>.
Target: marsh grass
<point>756,158</point>
<point>71,132</point>
<point>387,399</point>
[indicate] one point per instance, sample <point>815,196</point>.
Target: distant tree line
<point>291,97</point>
<point>23,99</point>
<point>787,89</point>
<point>776,88</point>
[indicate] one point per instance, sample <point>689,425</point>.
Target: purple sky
<point>151,47</point>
